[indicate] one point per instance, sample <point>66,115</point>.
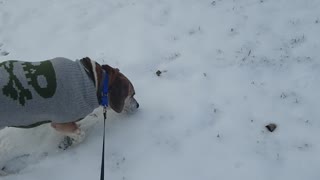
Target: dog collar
<point>104,93</point>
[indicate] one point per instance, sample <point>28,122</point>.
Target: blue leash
<point>104,104</point>
<point>102,161</point>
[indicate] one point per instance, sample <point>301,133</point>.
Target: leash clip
<point>105,111</point>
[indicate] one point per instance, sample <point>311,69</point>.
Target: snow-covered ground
<point>230,68</point>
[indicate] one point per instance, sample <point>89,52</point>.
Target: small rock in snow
<point>271,127</point>
<point>158,73</point>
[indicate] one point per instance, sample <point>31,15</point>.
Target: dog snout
<point>131,105</point>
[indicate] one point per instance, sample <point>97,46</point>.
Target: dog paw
<point>72,139</point>
<point>78,136</point>
<point>65,143</point>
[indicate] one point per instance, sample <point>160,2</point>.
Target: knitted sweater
<point>57,90</point>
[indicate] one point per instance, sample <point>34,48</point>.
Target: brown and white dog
<point>120,96</point>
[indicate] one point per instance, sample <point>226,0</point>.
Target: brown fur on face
<point>119,87</point>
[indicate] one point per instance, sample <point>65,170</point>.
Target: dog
<point>61,92</point>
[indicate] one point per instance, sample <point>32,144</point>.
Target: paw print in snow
<point>3,52</point>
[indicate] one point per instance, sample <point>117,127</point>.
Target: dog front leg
<point>73,134</point>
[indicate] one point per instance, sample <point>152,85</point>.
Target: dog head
<point>121,91</point>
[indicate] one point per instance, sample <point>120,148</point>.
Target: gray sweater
<point>57,90</point>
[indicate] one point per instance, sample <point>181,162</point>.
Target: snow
<point>231,67</point>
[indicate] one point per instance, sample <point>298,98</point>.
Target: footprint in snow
<point>15,165</point>
<point>3,52</point>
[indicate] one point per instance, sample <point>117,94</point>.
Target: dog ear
<point>86,62</point>
<point>118,92</point>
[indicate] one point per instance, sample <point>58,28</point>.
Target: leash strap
<point>104,135</point>
<point>104,103</point>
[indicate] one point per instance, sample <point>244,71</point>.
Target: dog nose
<point>137,105</point>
